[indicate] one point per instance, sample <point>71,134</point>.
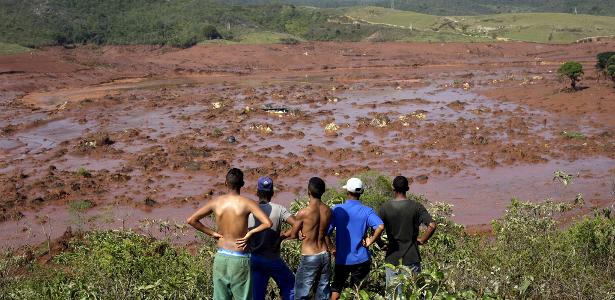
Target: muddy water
<point>477,152</point>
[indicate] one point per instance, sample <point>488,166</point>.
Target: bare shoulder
<point>302,213</point>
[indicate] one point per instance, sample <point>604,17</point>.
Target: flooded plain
<point>138,147</point>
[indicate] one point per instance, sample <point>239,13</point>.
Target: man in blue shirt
<point>350,221</point>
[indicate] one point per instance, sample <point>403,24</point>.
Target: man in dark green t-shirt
<point>402,218</point>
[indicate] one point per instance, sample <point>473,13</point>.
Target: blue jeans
<point>391,279</point>
<point>313,270</point>
<point>264,268</point>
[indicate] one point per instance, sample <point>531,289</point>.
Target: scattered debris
<point>278,110</point>
<point>419,114</point>
<point>263,128</point>
<point>422,179</point>
<point>231,140</point>
<point>150,202</point>
<point>332,128</point>
<point>457,105</point>
<point>380,121</point>
<point>217,105</point>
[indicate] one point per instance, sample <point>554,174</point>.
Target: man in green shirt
<point>402,218</point>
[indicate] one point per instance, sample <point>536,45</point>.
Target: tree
<point>571,70</point>
<point>602,60</point>
<point>610,67</point>
<point>601,64</point>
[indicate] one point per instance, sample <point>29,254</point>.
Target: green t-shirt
<point>401,222</point>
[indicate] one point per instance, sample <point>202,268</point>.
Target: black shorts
<point>358,276</point>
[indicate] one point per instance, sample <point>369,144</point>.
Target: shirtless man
<point>315,265</point>
<point>231,274</point>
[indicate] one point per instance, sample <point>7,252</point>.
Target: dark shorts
<point>358,276</point>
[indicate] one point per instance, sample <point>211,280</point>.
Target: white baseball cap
<point>354,185</point>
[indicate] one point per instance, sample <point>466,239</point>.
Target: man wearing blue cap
<point>265,246</point>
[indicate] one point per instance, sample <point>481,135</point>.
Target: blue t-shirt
<point>350,221</point>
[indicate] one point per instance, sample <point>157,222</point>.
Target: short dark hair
<point>234,179</point>
<point>316,187</point>
<point>264,194</point>
<point>400,184</point>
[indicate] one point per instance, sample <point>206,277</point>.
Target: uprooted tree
<point>573,71</point>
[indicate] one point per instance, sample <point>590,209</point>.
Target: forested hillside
<point>178,23</point>
<point>184,23</point>
<point>468,7</point>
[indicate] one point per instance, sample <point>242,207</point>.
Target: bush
<point>529,256</point>
<point>610,67</point>
<point>602,59</point>
<point>571,70</point>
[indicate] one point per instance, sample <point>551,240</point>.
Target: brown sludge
<point>474,124</point>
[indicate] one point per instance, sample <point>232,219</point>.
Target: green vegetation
<point>571,70</point>
<point>465,7</point>
<point>602,59</point>
<point>184,23</point>
<point>532,27</point>
<point>80,205</point>
<point>573,135</point>
<point>83,172</point>
<point>8,49</point>
<point>528,257</point>
<point>610,67</point>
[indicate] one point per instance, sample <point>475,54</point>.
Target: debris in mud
<point>404,121</point>
<point>380,121</point>
<point>278,110</point>
<point>120,177</point>
<point>150,202</point>
<point>457,105</point>
<point>216,133</point>
<point>263,128</point>
<point>8,129</point>
<point>99,139</point>
<point>332,128</point>
<point>217,105</point>
<point>422,179</point>
<point>231,140</point>
<point>419,114</point>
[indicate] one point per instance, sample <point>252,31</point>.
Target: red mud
<point>475,124</point>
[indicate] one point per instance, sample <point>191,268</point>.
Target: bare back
<point>314,224</point>
<point>232,213</point>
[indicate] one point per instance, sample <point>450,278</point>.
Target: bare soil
<point>145,132</point>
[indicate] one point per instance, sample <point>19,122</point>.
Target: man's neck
<point>314,200</point>
<point>263,200</point>
<point>400,197</point>
<point>234,192</point>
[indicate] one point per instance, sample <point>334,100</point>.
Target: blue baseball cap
<point>265,184</point>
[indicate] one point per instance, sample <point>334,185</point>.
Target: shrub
<point>529,256</point>
<point>610,67</point>
<point>571,70</point>
<point>602,59</point>
<point>211,33</point>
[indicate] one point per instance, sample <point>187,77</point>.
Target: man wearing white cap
<point>350,221</point>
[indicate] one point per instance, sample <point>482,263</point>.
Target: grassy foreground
<point>527,258</point>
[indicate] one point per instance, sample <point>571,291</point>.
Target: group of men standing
<point>250,233</point>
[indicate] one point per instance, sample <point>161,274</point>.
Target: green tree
<point>571,70</point>
<point>610,67</point>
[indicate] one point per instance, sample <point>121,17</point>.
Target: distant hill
<point>532,27</point>
<point>184,23</point>
<point>466,7</point>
